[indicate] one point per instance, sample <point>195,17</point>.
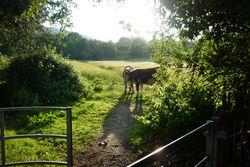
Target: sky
<point>102,21</point>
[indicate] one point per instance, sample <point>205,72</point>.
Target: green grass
<point>88,115</point>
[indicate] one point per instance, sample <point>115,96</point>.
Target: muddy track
<point>110,148</point>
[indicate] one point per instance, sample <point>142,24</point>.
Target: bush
<point>42,79</point>
<point>182,103</point>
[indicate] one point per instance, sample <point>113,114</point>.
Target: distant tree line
<point>76,47</point>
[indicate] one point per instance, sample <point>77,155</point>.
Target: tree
<point>22,20</point>
<point>222,53</point>
<point>214,48</point>
<point>77,47</point>
<point>139,48</point>
<point>124,43</point>
<point>33,65</point>
<point>103,50</point>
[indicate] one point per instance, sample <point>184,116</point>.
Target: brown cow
<point>126,79</point>
<point>142,76</point>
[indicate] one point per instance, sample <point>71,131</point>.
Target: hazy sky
<point>102,21</point>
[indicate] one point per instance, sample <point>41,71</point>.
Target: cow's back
<point>144,76</point>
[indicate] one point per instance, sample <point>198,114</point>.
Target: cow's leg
<point>137,89</point>
<point>132,87</point>
<point>125,90</point>
<point>141,87</point>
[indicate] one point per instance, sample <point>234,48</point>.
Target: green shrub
<point>182,103</point>
<point>42,79</point>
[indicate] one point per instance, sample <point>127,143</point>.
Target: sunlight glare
<point>102,22</point>
<point>140,15</point>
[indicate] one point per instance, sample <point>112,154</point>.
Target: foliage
<point>80,48</point>
<point>77,47</point>
<point>42,79</point>
<point>88,116</point>
<point>182,103</point>
<point>21,34</point>
<point>203,77</point>
<point>216,18</point>
<point>103,51</point>
<point>184,99</point>
<point>139,48</point>
<point>221,53</point>
<point>22,20</point>
<point>206,71</point>
<point>97,85</point>
<point>124,44</point>
<point>3,64</point>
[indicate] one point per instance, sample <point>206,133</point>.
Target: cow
<point>126,79</point>
<point>142,76</point>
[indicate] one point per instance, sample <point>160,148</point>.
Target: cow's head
<point>126,73</point>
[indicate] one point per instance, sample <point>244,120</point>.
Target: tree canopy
<point>139,48</point>
<point>221,52</point>
<point>21,21</point>
<point>205,72</point>
<point>31,72</point>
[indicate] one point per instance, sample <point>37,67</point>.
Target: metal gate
<point>210,129</point>
<point>68,137</point>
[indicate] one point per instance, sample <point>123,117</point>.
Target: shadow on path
<point>111,148</point>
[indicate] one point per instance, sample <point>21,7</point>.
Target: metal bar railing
<point>37,163</point>
<point>211,160</point>
<point>35,136</point>
<point>2,139</point>
<point>69,137</point>
<point>154,155</point>
<point>202,162</point>
<point>68,110</point>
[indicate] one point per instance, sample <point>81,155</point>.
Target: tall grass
<point>88,115</point>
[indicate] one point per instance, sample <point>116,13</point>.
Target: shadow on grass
<point>31,122</point>
<point>111,148</point>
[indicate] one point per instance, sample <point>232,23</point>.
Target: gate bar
<point>68,110</point>
<point>69,137</point>
<point>35,136</point>
<point>153,156</point>
<point>37,163</point>
<point>2,139</point>
<point>204,160</point>
<point>32,108</point>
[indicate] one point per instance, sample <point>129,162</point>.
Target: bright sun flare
<point>103,21</point>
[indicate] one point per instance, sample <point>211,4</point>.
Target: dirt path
<point>114,150</point>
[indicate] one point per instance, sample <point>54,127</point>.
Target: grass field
<point>88,115</point>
